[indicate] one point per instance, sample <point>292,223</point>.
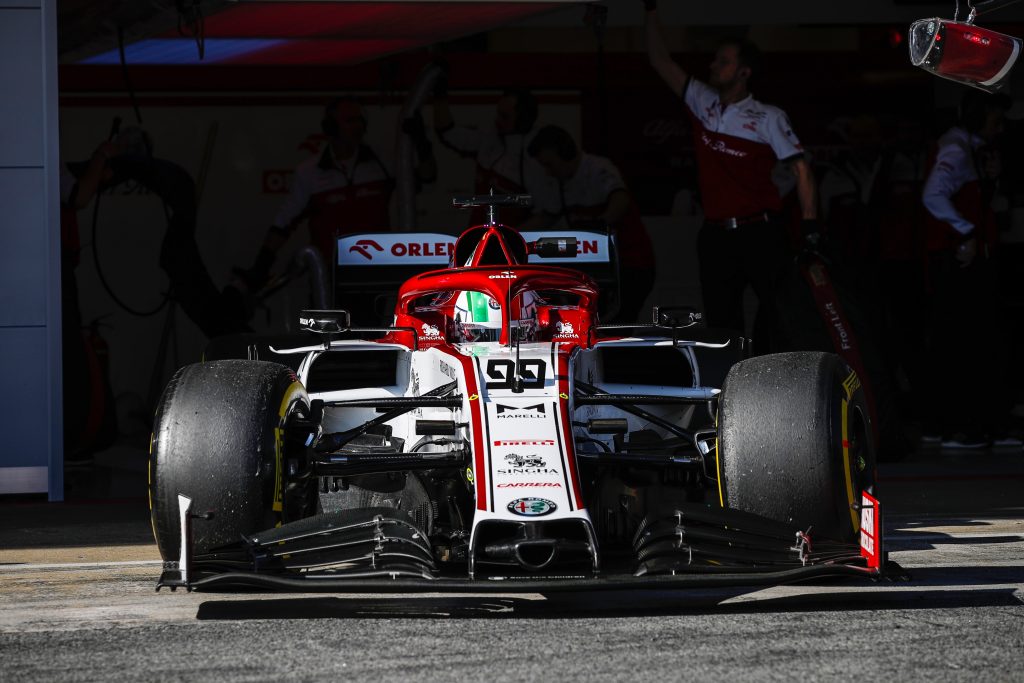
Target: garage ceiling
<point>274,33</point>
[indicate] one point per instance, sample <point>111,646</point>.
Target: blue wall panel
<point>24,397</point>
<point>23,248</point>
<point>30,364</point>
<point>23,86</point>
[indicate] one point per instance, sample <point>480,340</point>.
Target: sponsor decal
<point>502,370</point>
<point>363,247</point>
<point>517,460</point>
<point>395,249</point>
<point>418,412</point>
<point>836,321</point>
<point>530,485</point>
<point>565,331</point>
<point>531,507</point>
<point>503,275</point>
<point>444,249</point>
<point>720,146</point>
<point>525,442</point>
<point>430,331</point>
<point>869,531</point>
<point>530,412</point>
<point>448,371</point>
<point>591,247</point>
<point>527,464</point>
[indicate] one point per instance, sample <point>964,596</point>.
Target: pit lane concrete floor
<point>77,603</point>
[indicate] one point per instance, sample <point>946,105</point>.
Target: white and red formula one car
<point>496,437</point>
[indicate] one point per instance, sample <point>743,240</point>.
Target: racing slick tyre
<point>794,442</point>
<point>218,439</point>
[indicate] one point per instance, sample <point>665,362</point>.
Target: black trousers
<point>730,259</point>
<point>968,357</point>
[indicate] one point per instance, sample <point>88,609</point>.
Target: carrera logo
<point>524,442</point>
<point>530,485</point>
<point>361,247</point>
<point>526,411</point>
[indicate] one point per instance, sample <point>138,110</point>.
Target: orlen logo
<point>430,331</point>
<point>361,246</point>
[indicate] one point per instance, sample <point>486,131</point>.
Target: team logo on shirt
<point>720,146</point>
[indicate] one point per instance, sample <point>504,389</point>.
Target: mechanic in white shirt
<point>964,331</point>
<point>954,195</point>
<point>500,149</point>
<point>588,192</point>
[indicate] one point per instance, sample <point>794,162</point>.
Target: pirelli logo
<point>851,384</point>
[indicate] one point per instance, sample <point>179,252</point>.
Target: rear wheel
<point>794,442</point>
<point>218,439</point>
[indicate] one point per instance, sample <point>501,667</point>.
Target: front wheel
<point>794,442</point>
<point>218,439</point>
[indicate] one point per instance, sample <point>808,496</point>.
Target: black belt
<point>733,223</point>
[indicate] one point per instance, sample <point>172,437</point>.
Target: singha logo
<point>430,331</point>
<point>565,330</point>
<point>516,460</point>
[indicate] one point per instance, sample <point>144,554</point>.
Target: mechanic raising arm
<point>738,141</point>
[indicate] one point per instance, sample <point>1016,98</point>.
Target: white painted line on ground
<point>28,566</point>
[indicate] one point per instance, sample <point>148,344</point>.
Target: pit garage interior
<point>233,93</point>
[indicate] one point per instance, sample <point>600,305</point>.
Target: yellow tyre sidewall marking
<point>290,397</point>
<point>718,459</point>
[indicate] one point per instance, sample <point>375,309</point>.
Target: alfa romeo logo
<point>531,507</point>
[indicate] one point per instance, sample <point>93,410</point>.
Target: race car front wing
<point>377,550</point>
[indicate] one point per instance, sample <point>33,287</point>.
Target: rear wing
<point>373,265</point>
<point>423,249</point>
